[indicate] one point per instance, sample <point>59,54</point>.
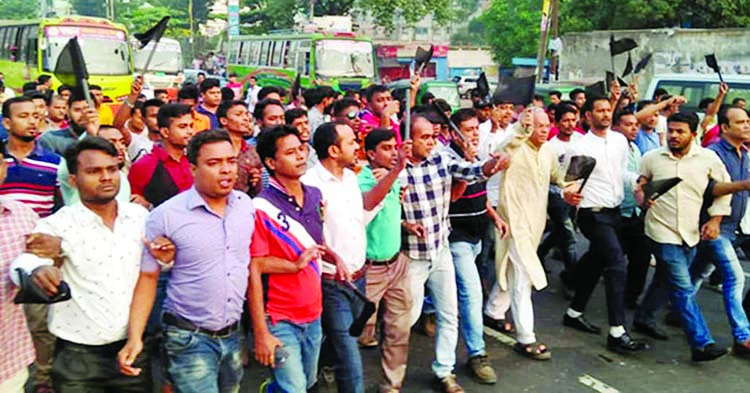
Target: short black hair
<point>137,107</point>
<point>62,88</point>
<point>209,83</point>
<point>265,91</point>
<point>294,114</point>
<point>35,95</point>
<point>261,106</point>
<point>314,96</point>
<point>76,96</point>
<point>723,115</point>
<point>87,143</point>
<point>29,86</point>
<point>378,136</point>
<point>374,89</point>
<point>171,111</point>
<point>660,92</point>
<point>425,100</point>
<point>160,91</point>
<point>227,94</point>
<point>575,92</point>
<point>463,115</point>
<point>589,105</point>
<point>42,79</point>
<point>620,114</point>
<point>555,93</point>
<point>342,104</point>
<point>538,97</point>
<point>201,73</point>
<point>224,107</point>
<point>326,136</point>
<point>11,101</point>
<point>266,146</point>
<point>443,105</point>
<point>188,92</point>
<point>149,103</point>
<point>204,138</point>
<point>95,87</point>
<point>738,100</point>
<point>564,109</point>
<point>642,104</point>
<point>685,117</point>
<point>705,103</point>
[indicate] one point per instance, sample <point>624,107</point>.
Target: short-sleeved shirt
<point>284,229</point>
<point>201,122</point>
<point>209,277</point>
<point>647,141</point>
<point>736,162</point>
<point>384,231</point>
<point>158,177</point>
<point>33,180</point>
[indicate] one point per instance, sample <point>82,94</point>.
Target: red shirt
<point>711,136</point>
<point>143,176</point>
<point>556,130</point>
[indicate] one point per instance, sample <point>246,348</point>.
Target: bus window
<point>303,57</point>
<point>32,45</point>
<point>276,59</point>
<point>254,53</point>
<point>240,54</point>
<point>291,54</point>
<point>285,55</point>
<point>3,51</point>
<point>10,43</point>
<point>232,55</point>
<point>264,53</point>
<point>246,48</point>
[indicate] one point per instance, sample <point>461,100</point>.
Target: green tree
<point>384,11</point>
<point>19,9</point>
<point>512,28</point>
<point>472,34</point>
<point>89,7</point>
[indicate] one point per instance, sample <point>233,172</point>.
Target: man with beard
<point>57,112</point>
<point>32,180</point>
<point>298,119</point>
<point>211,226</point>
<point>145,116</point>
<point>81,117</point>
<point>237,120</point>
<point>165,171</point>
<point>100,253</point>
<point>599,219</point>
<point>268,113</point>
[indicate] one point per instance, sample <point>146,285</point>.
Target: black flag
<point>153,34</point>
<point>628,67</point>
<point>296,89</point>
<point>519,91</point>
<point>655,189</point>
<point>642,64</point>
<point>621,46</point>
<point>71,68</point>
<point>483,87</point>
<point>597,89</point>
<point>422,58</point>
<point>714,65</point>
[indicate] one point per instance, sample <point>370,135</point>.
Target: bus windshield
<point>166,59</point>
<point>344,58</point>
<point>105,51</point>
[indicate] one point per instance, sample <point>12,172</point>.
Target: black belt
<point>600,209</point>
<point>110,349</point>
<point>184,324</point>
<point>387,262</point>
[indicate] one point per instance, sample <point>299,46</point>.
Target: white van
<point>695,87</point>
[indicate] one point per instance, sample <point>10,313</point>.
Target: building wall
<point>585,56</point>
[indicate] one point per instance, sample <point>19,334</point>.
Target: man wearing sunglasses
<point>347,110</point>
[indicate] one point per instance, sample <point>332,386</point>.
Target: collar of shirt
<point>161,153</point>
<point>36,152</point>
<point>726,145</point>
<point>195,200</point>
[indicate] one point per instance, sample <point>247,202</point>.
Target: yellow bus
<point>30,48</point>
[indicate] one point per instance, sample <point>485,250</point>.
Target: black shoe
<point>652,331</point>
<point>709,352</point>
<point>625,344</point>
<point>581,324</point>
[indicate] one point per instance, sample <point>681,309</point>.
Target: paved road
<point>580,362</point>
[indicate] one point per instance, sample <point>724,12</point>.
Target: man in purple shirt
<point>211,227</point>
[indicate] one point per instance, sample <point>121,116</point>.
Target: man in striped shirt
<point>31,180</point>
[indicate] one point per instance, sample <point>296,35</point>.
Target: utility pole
<point>312,10</point>
<point>192,28</point>
<point>555,25</point>
<point>540,56</point>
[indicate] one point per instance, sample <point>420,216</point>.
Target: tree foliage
<point>19,9</point>
<point>512,28</point>
<point>385,11</point>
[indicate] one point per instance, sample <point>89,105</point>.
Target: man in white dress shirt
<point>346,213</point>
<point>101,245</point>
<point>599,219</point>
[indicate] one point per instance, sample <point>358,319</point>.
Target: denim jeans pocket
<point>178,340</point>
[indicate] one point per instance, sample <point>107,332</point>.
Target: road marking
<point>503,338</point>
<point>597,385</point>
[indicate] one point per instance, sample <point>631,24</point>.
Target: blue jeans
<point>720,252</point>
<point>199,363</point>
<point>469,295</point>
<point>676,261</point>
<point>340,308</point>
<point>302,343</point>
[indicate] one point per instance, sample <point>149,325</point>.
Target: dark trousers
<point>562,233</point>
<point>78,368</point>
<point>605,256</point>
<point>635,245</point>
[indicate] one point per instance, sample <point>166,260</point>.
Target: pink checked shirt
<point>16,220</point>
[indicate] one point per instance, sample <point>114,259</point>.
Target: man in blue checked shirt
<point>428,177</point>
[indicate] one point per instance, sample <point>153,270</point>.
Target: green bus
<point>30,48</point>
<point>343,61</point>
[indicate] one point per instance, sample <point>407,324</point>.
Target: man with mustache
<point>82,119</point>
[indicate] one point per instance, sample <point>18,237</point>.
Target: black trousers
<point>78,368</point>
<point>635,245</point>
<point>605,256</point>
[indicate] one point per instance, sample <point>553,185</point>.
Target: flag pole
<point>150,56</point>
<point>87,93</point>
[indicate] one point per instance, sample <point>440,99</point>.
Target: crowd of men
<point>194,232</point>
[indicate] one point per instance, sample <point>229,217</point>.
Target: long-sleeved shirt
<point>428,197</point>
<point>101,269</point>
<point>629,206</point>
<point>675,216</point>
<point>605,187</point>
